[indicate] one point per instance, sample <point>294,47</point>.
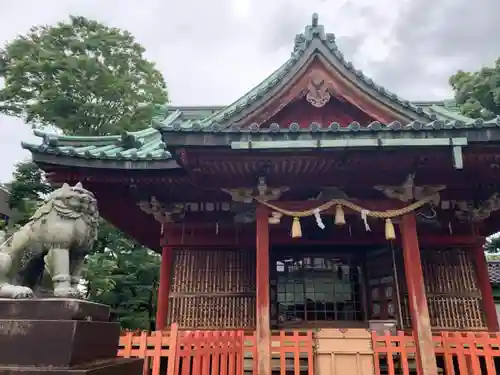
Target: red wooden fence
<point>457,353</point>
<point>234,352</point>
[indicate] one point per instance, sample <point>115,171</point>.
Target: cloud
<point>12,132</point>
<point>432,40</point>
<point>212,52</point>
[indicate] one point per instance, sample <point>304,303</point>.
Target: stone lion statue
<point>56,239</point>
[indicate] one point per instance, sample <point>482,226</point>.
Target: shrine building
<point>317,200</point>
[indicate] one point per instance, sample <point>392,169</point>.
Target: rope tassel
<point>296,228</point>
<point>339,215</point>
<point>390,233</point>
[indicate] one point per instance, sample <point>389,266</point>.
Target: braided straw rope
<point>342,202</point>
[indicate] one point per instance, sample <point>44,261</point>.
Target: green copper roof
<point>143,145</point>
<point>147,146</point>
<point>314,39</point>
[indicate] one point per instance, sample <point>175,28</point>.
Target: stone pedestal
<point>60,336</point>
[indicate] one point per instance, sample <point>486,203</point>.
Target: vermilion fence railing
<point>457,353</point>
<point>176,352</point>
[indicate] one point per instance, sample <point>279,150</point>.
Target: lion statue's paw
<point>65,292</point>
<point>15,291</point>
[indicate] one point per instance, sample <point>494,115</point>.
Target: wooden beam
<point>263,293</point>
<point>419,311</point>
<point>483,280</point>
<point>164,288</point>
<point>177,236</point>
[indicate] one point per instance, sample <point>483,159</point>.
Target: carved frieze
<point>317,94</point>
<point>408,191</point>
<point>480,212</point>
<point>167,213</point>
<point>262,192</point>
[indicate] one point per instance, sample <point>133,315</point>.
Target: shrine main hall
<point>317,202</point>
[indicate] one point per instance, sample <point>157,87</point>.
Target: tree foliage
<point>87,79</point>
<point>27,190</point>
<point>80,76</point>
<point>478,93</point>
<point>492,245</point>
<point>125,277</point>
<point>118,271</point>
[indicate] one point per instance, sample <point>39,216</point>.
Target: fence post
<point>172,350</point>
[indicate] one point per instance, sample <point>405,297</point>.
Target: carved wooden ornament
<point>318,94</point>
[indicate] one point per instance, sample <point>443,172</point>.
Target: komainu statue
<point>56,239</point>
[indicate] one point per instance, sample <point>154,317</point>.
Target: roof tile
<point>144,144</point>
<point>375,126</point>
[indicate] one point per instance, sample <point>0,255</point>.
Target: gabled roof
<point>147,148</point>
<point>141,148</point>
<point>312,43</point>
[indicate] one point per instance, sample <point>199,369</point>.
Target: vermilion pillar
<point>164,288</point>
<point>426,358</point>
<point>263,297</point>
<point>485,287</point>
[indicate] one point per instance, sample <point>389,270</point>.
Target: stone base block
<point>60,336</point>
<point>53,309</point>
<point>56,343</point>
<point>118,366</point>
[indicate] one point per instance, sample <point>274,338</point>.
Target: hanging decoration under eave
<point>339,204</point>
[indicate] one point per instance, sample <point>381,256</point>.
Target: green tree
<point>118,272</point>
<point>27,190</point>
<point>478,93</point>
<point>80,76</point>
<point>125,277</point>
<point>87,79</point>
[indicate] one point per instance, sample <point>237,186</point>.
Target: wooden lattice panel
<point>230,312</point>
<point>213,289</point>
<point>213,271</point>
<point>449,271</point>
<point>453,294</point>
<point>450,313</point>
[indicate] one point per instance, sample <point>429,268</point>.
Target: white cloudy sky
<point>212,52</point>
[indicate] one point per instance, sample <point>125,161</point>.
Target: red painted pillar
<point>426,357</point>
<point>263,339</point>
<point>164,288</point>
<point>483,280</point>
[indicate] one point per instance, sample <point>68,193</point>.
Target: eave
<point>56,159</point>
<point>478,131</point>
<point>143,149</point>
